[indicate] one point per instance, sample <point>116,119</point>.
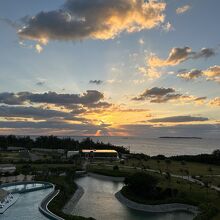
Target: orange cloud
<point>103,19</point>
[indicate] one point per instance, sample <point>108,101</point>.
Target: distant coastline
<point>181,137</point>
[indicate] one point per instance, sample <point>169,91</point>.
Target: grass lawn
<point>175,167</point>
<point>215,180</point>
<point>207,199</point>
<point>46,166</point>
<point>8,156</point>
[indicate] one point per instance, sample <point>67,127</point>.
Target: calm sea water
<point>99,202</point>
<point>168,147</point>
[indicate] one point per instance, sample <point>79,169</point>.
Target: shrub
<point>142,184</point>
<point>115,167</point>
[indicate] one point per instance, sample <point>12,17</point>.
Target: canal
<point>100,203</point>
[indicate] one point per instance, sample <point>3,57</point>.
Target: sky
<point>110,68</point>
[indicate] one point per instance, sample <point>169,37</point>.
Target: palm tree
<point>168,162</point>
<point>183,167</point>
<point>187,173</point>
<point>158,164</point>
<point>168,177</point>
<point>211,174</point>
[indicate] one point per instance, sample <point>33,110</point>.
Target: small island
<point>180,137</point>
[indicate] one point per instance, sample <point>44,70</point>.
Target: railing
<point>24,189</point>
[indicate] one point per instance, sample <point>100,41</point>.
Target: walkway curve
<point>67,209</point>
<point>43,207</point>
<point>172,207</point>
<point>104,177</point>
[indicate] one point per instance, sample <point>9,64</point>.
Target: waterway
<point>100,203</point>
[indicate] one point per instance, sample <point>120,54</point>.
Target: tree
<point>158,164</point>
<point>115,167</point>
<point>168,162</point>
<point>188,175</point>
<point>142,184</point>
<point>211,174</point>
<point>183,165</point>
<point>168,177</point>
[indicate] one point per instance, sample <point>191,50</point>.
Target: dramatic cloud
<point>183,9</point>
<point>178,119</point>
<point>87,98</point>
<point>11,98</point>
<point>157,95</point>
<point>178,55</point>
<point>200,100</point>
<point>61,126</point>
<point>99,105</point>
<point>162,95</point>
<point>215,101</point>
<point>192,74</point>
<point>97,82</point>
<point>97,19</point>
<point>212,73</point>
<point>31,112</point>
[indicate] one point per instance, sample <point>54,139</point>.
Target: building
<point>7,168</point>
<point>72,153</point>
<point>99,154</point>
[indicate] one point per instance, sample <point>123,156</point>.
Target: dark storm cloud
<point>97,19</point>
<point>177,119</point>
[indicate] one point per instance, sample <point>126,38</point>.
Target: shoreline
<point>103,177</point>
<point>71,204</point>
<point>172,207</point>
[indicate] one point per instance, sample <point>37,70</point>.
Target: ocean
<point>165,146</point>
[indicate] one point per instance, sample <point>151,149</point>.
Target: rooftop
<point>99,151</point>
<point>6,165</point>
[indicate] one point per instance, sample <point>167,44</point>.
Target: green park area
<point>172,189</point>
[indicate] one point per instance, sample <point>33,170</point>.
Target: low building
<point>72,153</point>
<point>7,168</point>
<point>49,150</point>
<point>99,154</point>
